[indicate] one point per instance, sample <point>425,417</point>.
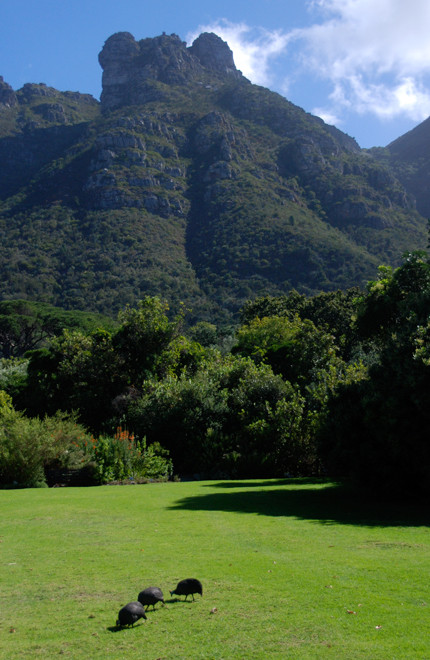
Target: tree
<point>78,372</point>
<point>334,312</point>
<point>91,372</point>
<point>205,333</point>
<point>294,348</point>
<point>376,430</point>
<point>397,297</point>
<point>144,333</point>
<point>26,325</point>
<point>284,306</point>
<point>232,416</point>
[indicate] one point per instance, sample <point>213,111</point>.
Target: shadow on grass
<point>316,499</point>
<point>173,601</point>
<point>263,483</point>
<point>115,629</point>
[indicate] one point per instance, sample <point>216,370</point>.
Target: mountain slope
<point>409,157</point>
<point>189,182</point>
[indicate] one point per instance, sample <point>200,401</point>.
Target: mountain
<point>409,156</point>
<point>188,182</point>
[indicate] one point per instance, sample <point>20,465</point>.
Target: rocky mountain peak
<point>129,66</point>
<point>7,95</point>
<point>215,54</point>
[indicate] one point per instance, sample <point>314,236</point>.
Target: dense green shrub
<point>232,416</point>
<point>32,447</point>
<point>21,451</point>
<point>122,456</point>
<point>28,446</point>
<point>13,373</point>
<point>184,414</point>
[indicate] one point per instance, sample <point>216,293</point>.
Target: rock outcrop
<point>7,95</point>
<point>130,68</point>
<point>215,54</point>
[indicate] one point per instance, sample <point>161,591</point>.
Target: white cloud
<point>328,116</point>
<point>253,48</point>
<point>405,96</point>
<point>376,55</point>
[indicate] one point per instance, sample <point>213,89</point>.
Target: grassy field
<point>290,569</point>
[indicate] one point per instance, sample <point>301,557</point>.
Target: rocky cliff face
<point>7,95</point>
<point>131,67</point>
<point>37,124</point>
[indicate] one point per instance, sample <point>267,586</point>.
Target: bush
<point>232,417</point>
<point>122,457</point>
<point>21,451</point>
<point>28,446</point>
<point>32,447</point>
<point>13,373</point>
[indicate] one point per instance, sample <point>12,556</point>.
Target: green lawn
<point>290,569</point>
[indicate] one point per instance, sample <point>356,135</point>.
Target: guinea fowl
<point>151,596</point>
<point>189,586</point>
<point>130,613</point>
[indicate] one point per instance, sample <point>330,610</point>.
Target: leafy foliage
<point>144,333</point>
<point>29,445</point>
<point>26,325</point>
<point>334,311</point>
<point>30,448</point>
<point>122,457</point>
<point>346,392</point>
<point>294,348</point>
<point>226,418</point>
<point>375,430</point>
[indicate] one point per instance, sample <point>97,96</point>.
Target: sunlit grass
<point>289,570</point>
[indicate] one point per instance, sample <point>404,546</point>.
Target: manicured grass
<point>290,569</point>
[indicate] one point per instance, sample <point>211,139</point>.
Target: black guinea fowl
<point>130,613</point>
<point>151,596</point>
<point>187,587</point>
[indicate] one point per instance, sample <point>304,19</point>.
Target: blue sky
<point>363,65</point>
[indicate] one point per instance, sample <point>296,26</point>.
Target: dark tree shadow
<point>332,503</point>
<point>262,483</point>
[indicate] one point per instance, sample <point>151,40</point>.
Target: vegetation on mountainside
<point>212,192</point>
<point>335,383</point>
<point>408,158</point>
